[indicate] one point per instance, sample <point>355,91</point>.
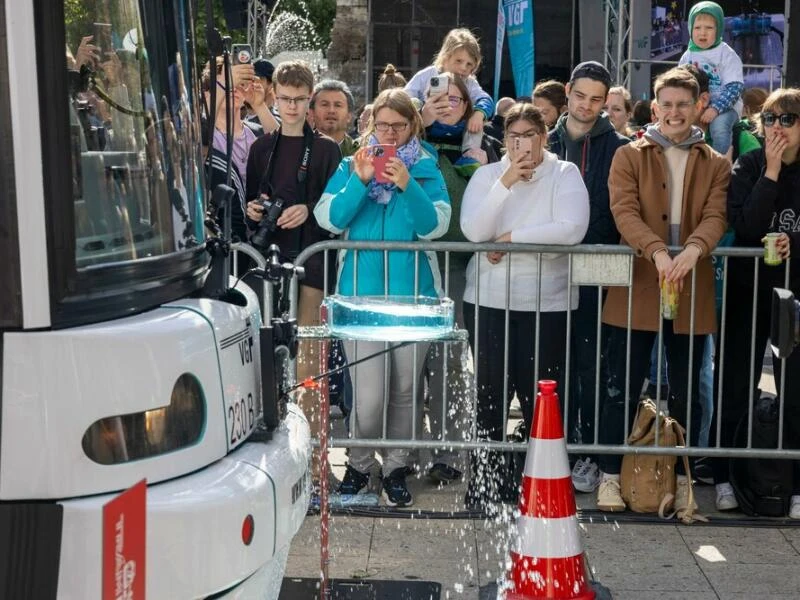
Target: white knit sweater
<point>552,208</point>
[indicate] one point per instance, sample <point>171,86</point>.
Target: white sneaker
<point>585,475</point>
<point>609,498</point>
<point>726,499</point>
<point>794,508</point>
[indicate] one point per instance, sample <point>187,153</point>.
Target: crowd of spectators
<point>576,163</point>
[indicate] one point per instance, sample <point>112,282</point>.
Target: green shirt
<point>744,142</point>
<point>348,146</point>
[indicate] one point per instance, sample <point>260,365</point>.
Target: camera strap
<point>302,170</point>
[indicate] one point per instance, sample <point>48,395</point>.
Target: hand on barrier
<point>683,264</point>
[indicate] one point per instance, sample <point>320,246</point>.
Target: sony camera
<point>272,209</point>
<point>785,324</point>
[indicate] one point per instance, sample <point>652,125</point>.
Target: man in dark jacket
<point>585,136</point>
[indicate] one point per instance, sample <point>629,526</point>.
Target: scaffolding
<point>257,21</point>
<point>617,39</point>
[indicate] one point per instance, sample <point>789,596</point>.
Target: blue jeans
<point>721,130</point>
<point>653,379</point>
<point>706,390</point>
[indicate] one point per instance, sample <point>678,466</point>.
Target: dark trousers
<point>489,361</point>
<point>737,374</point>
<point>612,421</point>
<point>583,365</point>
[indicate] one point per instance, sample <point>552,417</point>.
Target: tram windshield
<point>134,134</point>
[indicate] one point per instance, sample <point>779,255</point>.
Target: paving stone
<point>757,580</point>
<point>661,595</point>
<point>424,539</point>
<point>741,546</point>
<point>347,536</point>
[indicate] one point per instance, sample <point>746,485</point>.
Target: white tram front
<point>117,367</point>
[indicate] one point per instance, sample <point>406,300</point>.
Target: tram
<point>120,363</point>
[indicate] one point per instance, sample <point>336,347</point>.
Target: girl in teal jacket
<point>412,205</point>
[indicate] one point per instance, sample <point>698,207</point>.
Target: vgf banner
<point>124,525</point>
<point>519,31</point>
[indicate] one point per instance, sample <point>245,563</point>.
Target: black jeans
<point>612,422</point>
<point>489,361</point>
<point>583,365</point>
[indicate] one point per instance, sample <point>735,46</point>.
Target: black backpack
<point>763,486</point>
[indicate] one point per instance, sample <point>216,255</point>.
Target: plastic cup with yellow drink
<point>771,256</point>
<point>669,299</point>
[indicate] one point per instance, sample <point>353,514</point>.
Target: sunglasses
<point>786,119</point>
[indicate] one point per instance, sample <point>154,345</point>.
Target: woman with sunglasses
<point>762,198</point>
<point>532,197</point>
<point>460,154</point>
<point>405,200</point>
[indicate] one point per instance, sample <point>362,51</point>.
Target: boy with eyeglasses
<point>293,164</point>
<point>667,189</point>
<point>723,66</point>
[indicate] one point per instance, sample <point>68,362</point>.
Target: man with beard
<point>331,113</point>
<point>585,136</point>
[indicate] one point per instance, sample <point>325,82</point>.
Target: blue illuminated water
<point>390,319</point>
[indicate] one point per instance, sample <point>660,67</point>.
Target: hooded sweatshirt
<point>592,154</point>
<point>677,157</point>
<point>719,61</point>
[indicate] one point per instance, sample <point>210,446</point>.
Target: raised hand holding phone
<point>521,162</point>
<point>438,85</point>
<point>397,173</point>
<point>362,165</point>
<point>381,155</point>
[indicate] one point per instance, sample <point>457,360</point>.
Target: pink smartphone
<point>381,153</point>
<point>526,145</point>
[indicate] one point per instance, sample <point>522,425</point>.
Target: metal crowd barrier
<point>595,266</point>
<point>626,64</point>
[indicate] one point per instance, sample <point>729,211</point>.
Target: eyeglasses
<point>289,100</point>
<point>786,119</point>
<point>680,106</point>
<point>513,135</point>
<point>383,127</point>
<point>455,100</point>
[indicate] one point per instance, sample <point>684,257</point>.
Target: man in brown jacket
<point>667,189</point>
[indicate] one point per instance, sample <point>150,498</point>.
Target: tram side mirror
<point>784,331</point>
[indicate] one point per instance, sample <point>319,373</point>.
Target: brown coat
<point>640,205</point>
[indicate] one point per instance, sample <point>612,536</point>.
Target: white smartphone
<point>439,84</point>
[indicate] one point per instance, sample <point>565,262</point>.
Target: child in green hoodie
<point>723,66</point>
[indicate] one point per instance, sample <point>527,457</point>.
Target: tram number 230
<point>241,418</point>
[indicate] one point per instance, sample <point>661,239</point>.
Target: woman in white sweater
<point>528,197</point>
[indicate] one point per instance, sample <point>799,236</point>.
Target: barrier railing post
<point>324,505</point>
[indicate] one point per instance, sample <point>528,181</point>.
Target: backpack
<point>763,486</point>
<point>648,481</point>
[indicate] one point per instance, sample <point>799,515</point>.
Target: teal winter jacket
<point>421,212</point>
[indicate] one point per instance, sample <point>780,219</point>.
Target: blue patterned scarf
<point>409,154</point>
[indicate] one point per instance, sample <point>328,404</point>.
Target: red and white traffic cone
<point>547,555</point>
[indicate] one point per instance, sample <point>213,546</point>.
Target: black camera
<point>272,209</point>
<point>785,325</point>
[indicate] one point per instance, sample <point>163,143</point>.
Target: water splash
<point>289,32</point>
